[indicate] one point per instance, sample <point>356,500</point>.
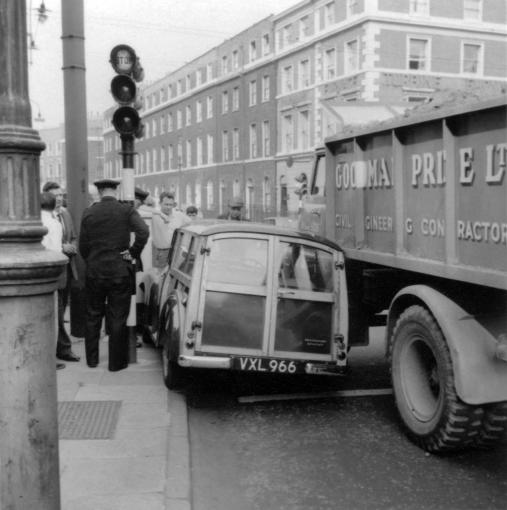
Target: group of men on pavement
<point>105,245</point>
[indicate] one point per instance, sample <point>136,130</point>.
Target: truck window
<point>319,177</point>
<point>305,268</point>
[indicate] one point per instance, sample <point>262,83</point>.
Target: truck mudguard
<point>480,377</point>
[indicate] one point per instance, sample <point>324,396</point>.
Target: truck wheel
<point>494,426</point>
<point>423,384</point>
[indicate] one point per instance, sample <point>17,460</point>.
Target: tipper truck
<point>419,206</point>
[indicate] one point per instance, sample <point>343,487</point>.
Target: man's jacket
<point>69,237</point>
<point>105,234</point>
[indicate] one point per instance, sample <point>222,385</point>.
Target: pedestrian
<point>69,248</point>
<point>192,212</point>
<point>104,241</point>
<point>235,211</point>
<point>140,197</point>
<point>52,240</point>
<point>163,225</point>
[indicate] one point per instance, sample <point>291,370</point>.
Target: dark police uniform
<point>104,235</point>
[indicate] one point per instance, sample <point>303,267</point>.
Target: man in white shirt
<point>163,225</point>
<point>69,248</point>
<point>53,239</point>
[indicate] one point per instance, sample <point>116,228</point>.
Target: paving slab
<point>112,475</point>
<point>125,392</point>
<point>120,502</point>
<point>128,443</point>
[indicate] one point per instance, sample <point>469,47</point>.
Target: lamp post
<point>29,472</point>
<point>39,117</point>
<point>76,142</point>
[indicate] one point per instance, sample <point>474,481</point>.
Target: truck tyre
<point>494,426</point>
<point>423,383</point>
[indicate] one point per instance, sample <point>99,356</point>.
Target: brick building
<point>245,117</point>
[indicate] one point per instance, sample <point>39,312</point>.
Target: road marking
<point>323,394</point>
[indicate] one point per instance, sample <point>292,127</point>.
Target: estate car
<point>248,297</point>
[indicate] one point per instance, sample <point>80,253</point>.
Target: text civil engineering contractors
<point>428,171</point>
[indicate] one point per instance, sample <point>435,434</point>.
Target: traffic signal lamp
<point>123,88</point>
<point>126,64</point>
<point>302,187</point>
<point>126,121</point>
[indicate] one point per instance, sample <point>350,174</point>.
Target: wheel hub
<point>420,380</point>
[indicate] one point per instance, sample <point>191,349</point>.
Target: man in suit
<point>104,243</point>
<point>69,248</point>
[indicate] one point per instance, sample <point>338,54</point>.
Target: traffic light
<point>302,187</point>
<point>126,119</point>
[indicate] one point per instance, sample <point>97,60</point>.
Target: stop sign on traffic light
<point>126,64</point>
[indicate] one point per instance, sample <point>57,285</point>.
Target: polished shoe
<point>139,344</point>
<point>69,357</point>
<point>117,369</point>
<point>59,366</point>
<point>92,365</point>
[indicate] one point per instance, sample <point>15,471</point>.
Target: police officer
<point>104,241</point>
<point>140,195</point>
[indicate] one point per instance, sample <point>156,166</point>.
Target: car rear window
<point>238,261</point>
<point>304,267</point>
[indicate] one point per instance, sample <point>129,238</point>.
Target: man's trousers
<point>63,342</point>
<point>117,292</point>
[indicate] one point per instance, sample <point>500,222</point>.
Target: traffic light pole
<point>127,154</point>
<point>128,124</point>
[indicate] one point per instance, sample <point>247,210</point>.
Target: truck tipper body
<point>419,206</point>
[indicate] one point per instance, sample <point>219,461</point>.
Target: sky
<point>164,33</point>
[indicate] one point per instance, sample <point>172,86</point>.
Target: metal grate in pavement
<point>88,420</point>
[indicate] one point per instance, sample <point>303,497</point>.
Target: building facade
<point>245,117</point>
<point>52,160</point>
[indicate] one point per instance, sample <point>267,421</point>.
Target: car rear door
<point>236,294</point>
<point>306,300</point>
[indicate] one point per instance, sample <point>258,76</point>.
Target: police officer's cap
<point>140,194</point>
<point>107,183</point>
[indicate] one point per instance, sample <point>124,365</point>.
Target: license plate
<point>269,365</point>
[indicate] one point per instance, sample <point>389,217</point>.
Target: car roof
<point>211,227</point>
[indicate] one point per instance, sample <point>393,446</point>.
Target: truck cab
<point>312,217</point>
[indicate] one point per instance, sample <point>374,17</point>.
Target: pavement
<point>144,462</point>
